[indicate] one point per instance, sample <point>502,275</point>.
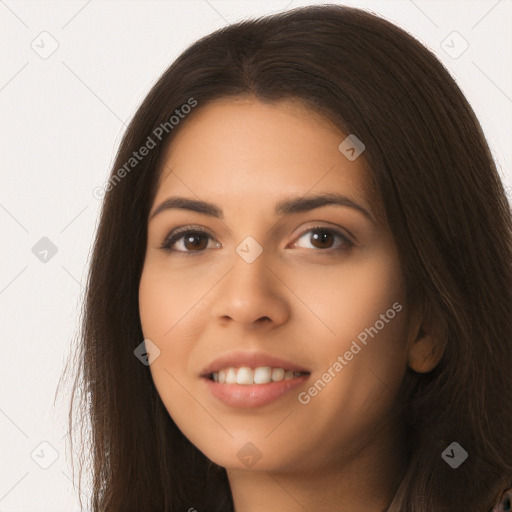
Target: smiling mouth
<point>245,375</point>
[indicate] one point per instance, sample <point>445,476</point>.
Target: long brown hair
<point>449,215</point>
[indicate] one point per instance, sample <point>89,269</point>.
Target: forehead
<point>246,149</point>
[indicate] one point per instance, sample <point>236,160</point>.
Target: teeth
<point>244,376</point>
<point>231,376</point>
<point>262,375</point>
<point>277,374</point>
<point>247,376</point>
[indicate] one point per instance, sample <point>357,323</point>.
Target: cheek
<point>171,313</point>
<point>351,297</point>
<point>366,316</point>
<point>162,309</point>
<point>165,306</point>
<point>156,305</point>
<point>166,299</point>
<point>373,298</point>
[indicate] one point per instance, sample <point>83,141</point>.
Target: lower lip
<point>255,395</point>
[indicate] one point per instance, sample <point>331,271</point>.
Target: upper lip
<point>252,360</point>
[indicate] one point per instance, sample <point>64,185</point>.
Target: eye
<point>323,236</point>
<point>193,240</point>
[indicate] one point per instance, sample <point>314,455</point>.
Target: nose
<point>252,295</point>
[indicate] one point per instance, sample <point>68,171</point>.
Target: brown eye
<point>193,241</point>
<point>323,238</point>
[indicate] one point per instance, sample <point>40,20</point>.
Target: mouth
<point>248,388</point>
<point>244,379</point>
<point>247,376</point>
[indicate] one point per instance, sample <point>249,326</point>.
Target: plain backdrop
<point>72,74</point>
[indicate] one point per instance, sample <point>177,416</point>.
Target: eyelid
<point>343,232</point>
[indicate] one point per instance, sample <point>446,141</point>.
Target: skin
<point>343,449</point>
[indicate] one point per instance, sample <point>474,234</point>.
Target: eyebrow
<point>286,206</point>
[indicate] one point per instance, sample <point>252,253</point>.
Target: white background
<point>61,119</point>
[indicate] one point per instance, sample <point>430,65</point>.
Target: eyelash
<point>177,235</point>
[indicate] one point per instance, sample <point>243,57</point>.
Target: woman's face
<point>313,287</point>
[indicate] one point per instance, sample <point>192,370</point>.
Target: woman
<point>262,370</point>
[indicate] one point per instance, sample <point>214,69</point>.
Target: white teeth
<point>277,374</point>
<point>244,376</point>
<point>247,376</point>
<point>231,376</point>
<point>262,375</point>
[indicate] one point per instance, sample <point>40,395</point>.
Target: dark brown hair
<point>449,216</point>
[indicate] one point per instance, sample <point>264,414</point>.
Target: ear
<point>426,347</point>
